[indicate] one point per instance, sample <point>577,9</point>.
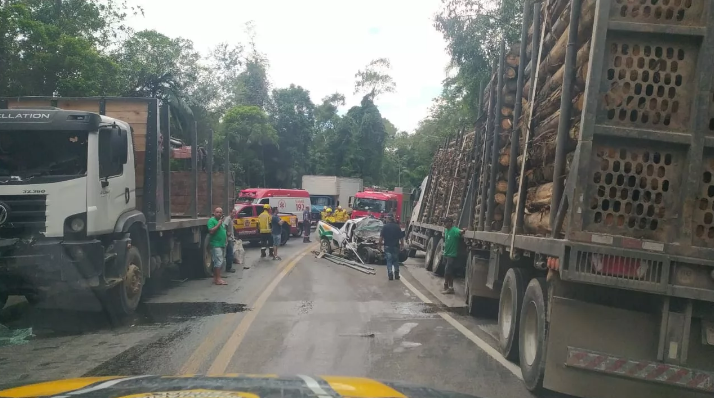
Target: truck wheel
<point>411,253</point>
<point>438,265</point>
<point>533,333</point>
<point>325,246</point>
<point>125,297</point>
<point>429,259</point>
<point>509,307</point>
<point>206,266</point>
<point>284,236</point>
<point>403,256</point>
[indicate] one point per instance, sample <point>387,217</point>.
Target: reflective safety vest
<point>264,222</point>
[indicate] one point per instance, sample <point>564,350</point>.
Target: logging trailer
<point>88,199</point>
<point>591,219</point>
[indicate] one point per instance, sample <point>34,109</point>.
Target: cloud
<point>320,44</point>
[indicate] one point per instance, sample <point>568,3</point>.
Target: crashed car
<point>357,239</point>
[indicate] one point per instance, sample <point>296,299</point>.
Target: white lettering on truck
<point>25,116</point>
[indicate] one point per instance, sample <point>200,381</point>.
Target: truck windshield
<point>26,155</point>
<point>245,199</point>
<point>368,204</point>
<point>320,201</point>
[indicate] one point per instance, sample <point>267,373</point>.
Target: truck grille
<point>27,212</point>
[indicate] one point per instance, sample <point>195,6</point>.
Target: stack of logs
<point>452,168</point>
<point>546,110</point>
<point>555,19</point>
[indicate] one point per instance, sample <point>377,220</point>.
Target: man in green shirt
<point>452,236</point>
<point>217,242</point>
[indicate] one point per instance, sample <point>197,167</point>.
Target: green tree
<point>374,79</point>
<point>294,120</point>
<point>249,131</point>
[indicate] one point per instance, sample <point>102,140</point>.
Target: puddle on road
<point>53,322</point>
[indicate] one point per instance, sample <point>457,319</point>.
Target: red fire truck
<point>377,203</point>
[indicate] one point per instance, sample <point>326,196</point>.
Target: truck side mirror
<point>350,201</point>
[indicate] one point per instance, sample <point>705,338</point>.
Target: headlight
<point>77,224</point>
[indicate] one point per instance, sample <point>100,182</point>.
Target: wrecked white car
<point>357,239</point>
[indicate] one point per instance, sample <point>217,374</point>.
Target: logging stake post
<point>485,163</point>
<point>566,108</point>
<point>194,170</point>
<point>496,141</point>
<point>209,177</point>
<point>513,161</point>
<point>535,44</point>
<point>487,155</point>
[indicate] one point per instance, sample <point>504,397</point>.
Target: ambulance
<point>292,201</point>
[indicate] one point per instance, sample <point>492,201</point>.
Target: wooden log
<point>556,56</point>
<point>502,186</point>
<point>537,223</point>
<point>507,111</point>
<point>506,123</point>
<point>510,86</point>
<point>500,199</point>
<point>505,159</point>
<point>512,59</point>
<point>510,72</point>
<point>556,80</point>
<point>509,99</point>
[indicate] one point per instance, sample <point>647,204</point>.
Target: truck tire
<point>438,265</point>
<point>429,258</point>
<point>403,256</point>
<point>284,235</point>
<point>299,231</point>
<point>205,267</point>
<point>477,306</point>
<point>124,298</point>
<point>533,334</point>
<point>509,308</point>
<point>411,253</point>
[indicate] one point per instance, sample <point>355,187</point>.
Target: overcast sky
<point>320,44</point>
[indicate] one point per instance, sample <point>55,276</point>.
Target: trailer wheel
<point>403,255</point>
<point>284,235</point>
<point>411,253</point>
<point>533,333</point>
<point>124,298</point>
<point>438,265</point>
<point>430,246</point>
<point>476,305</point>
<point>206,270</point>
<point>509,307</point>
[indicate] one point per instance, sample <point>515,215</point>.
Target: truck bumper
<point>599,351</point>
<point>50,265</point>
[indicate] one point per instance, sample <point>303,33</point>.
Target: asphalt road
<point>301,315</point>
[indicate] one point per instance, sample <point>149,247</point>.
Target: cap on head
<point>339,207</point>
<point>329,210</point>
<point>324,208</point>
<point>266,206</point>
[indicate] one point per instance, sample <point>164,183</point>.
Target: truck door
<point>246,222</point>
<point>112,192</point>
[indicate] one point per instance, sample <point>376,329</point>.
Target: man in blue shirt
<point>393,239</point>
<point>276,228</point>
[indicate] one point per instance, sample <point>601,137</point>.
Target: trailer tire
<point>477,306</point>
<point>206,269</point>
<point>430,246</point>
<point>509,308</point>
<point>403,256</point>
<point>439,265</point>
<point>284,235</point>
<point>533,334</point>
<point>124,298</point>
<point>411,253</point>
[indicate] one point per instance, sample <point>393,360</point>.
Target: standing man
<point>276,225</point>
<point>393,240</point>
<point>452,236</point>
<point>264,225</point>
<point>217,230</point>
<point>306,225</point>
<point>230,233</point>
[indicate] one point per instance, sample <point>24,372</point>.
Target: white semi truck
<point>604,279</point>
<point>85,199</point>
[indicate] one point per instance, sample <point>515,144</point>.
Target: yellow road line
<point>220,364</point>
<point>480,343</point>
<point>360,387</point>
<point>201,353</point>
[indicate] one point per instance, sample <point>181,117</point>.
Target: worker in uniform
<point>264,225</point>
<point>329,217</point>
<point>323,213</point>
<point>306,225</point>
<point>340,215</point>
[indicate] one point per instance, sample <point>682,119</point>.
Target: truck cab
<point>377,204</point>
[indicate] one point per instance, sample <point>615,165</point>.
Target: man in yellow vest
<point>329,217</point>
<point>264,225</point>
<point>340,215</point>
<point>323,213</point>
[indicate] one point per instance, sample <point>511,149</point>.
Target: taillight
<point>619,266</point>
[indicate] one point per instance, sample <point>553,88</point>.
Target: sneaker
<point>390,276</point>
<point>232,271</point>
<point>396,275</point>
<point>448,291</point>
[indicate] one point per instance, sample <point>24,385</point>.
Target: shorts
<point>277,238</point>
<point>218,256</point>
<point>450,266</point>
